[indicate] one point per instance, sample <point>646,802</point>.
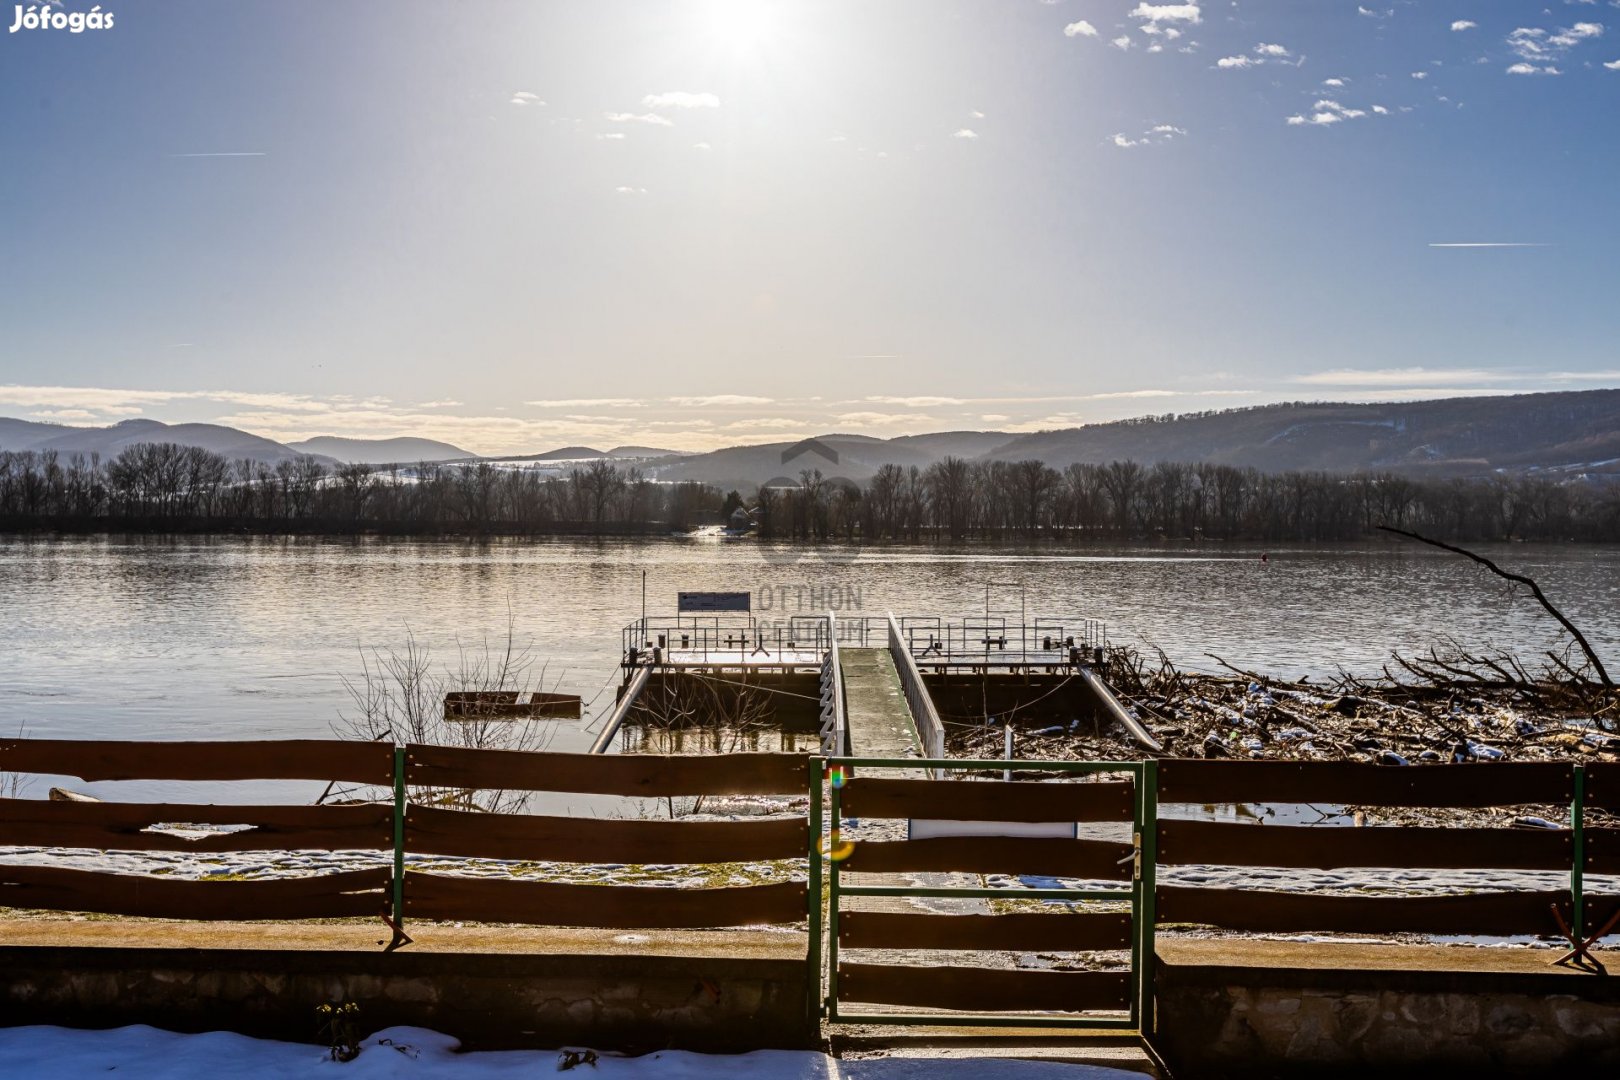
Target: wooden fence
<point>400,828</point>
<point>122,826</point>
<point>1576,850</point>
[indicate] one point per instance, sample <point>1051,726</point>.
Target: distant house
<point>741,521</point>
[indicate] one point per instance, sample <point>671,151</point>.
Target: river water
<point>219,638</point>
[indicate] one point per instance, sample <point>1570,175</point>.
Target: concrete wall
<point>487,1000</point>
<point>1253,1021</point>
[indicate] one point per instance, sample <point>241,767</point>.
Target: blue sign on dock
<point>715,601</point>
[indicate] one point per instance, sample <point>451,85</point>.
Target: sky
<point>515,226</point>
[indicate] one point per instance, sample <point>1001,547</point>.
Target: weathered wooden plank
<point>1513,913</point>
<point>1066,932</point>
<point>986,800</point>
<point>977,989</point>
<point>440,896</point>
<point>119,826</point>
<point>1097,859</point>
<point>1603,785</point>
<point>1602,850</point>
<point>347,894</point>
<point>1230,844</point>
<point>280,759</point>
<point>597,840</point>
<point>1599,910</point>
<point>607,774</point>
<point>1189,780</point>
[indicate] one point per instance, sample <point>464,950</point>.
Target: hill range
<point>1574,431</point>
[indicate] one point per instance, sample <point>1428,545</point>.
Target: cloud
<point>1337,83</point>
<point>445,404</point>
<point>975,114</point>
<point>1371,14</point>
<point>641,118</point>
<point>701,146</point>
<point>681,99</point>
<point>1414,376</point>
<point>720,399</point>
<point>1271,50</point>
<point>1522,68</point>
<point>523,97</point>
<point>1486,244</point>
<point>1159,133</point>
<point>994,417</point>
<point>1161,13</point>
<point>965,133</point>
<point>623,189</point>
<point>877,419</point>
<point>1122,43</point>
<point>1420,74</point>
<point>610,135</point>
<point>1080,29</point>
<point>1327,112</point>
<point>923,402</point>
<point>587,403</point>
<point>1237,62</point>
<point>1612,65</point>
<point>1538,45</point>
<point>1463,24</point>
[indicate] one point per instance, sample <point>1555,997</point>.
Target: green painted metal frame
<point>398,904</point>
<point>1139,1016</point>
<point>1577,865</point>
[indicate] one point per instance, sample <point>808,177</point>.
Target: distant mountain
<point>110,441</point>
<point>853,457</point>
<point>404,450</point>
<point>1456,436</point>
<point>643,452</point>
<point>27,434</point>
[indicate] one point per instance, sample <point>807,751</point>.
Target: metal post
<point>832,905</point>
<point>813,886</point>
<point>1577,866</point>
<point>1146,912</point>
<point>399,839</point>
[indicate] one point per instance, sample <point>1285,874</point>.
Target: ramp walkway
<point>878,716</point>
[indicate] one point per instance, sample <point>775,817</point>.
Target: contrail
<point>249,153</point>
<point>1488,243</point>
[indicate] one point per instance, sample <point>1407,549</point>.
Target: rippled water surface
<point>173,638</point>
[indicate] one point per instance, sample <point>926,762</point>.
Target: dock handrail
<point>833,715</point>
<point>621,709</point>
<point>929,727</point>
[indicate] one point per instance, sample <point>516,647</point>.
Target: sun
<point>742,27</point>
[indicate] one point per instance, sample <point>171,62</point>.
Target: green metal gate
<point>1107,1001</point>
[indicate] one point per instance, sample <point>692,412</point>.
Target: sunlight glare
<point>742,27</point>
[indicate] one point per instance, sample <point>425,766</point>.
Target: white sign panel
<point>928,828</point>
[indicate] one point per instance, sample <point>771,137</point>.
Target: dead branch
<point>1541,597</point>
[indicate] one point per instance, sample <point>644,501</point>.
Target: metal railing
<point>929,727</point>
<point>719,639</point>
<point>833,715</point>
<point>995,641</point>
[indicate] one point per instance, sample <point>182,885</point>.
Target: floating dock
<point>874,681</point>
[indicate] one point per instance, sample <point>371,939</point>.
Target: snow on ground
<point>417,1054</point>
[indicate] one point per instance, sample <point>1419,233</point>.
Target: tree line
<point>170,487</point>
<point>167,486</point>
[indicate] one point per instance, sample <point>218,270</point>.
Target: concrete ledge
<point>489,1000</point>
<point>1267,1015</point>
